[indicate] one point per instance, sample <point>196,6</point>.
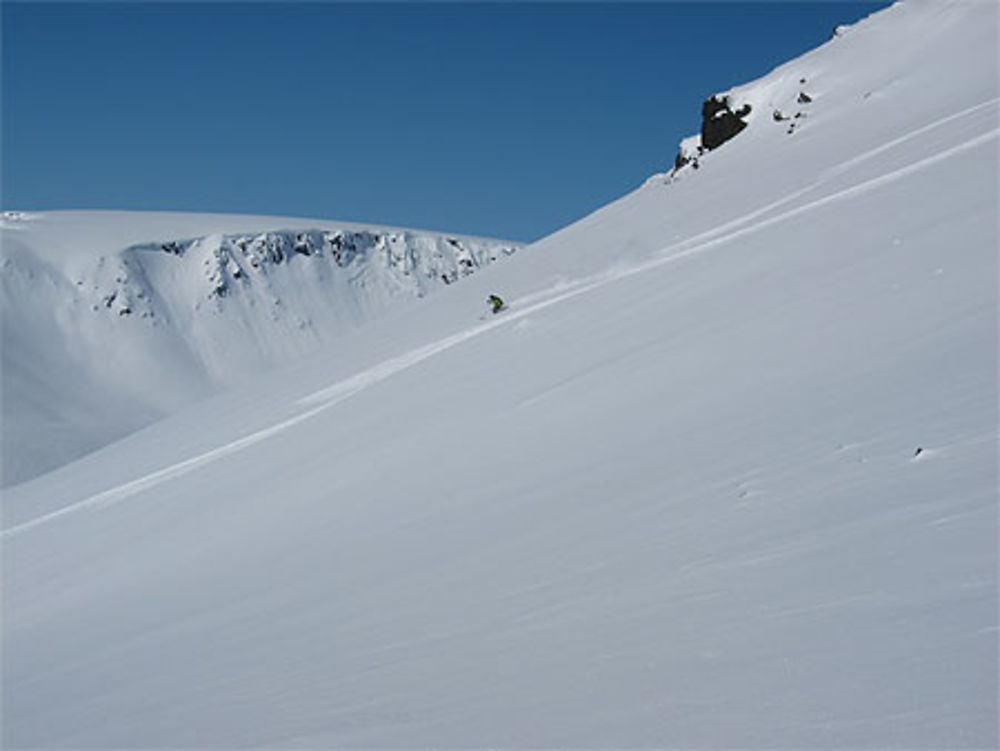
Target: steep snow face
<point>723,475</point>
<point>98,342</point>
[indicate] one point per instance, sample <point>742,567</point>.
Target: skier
<point>496,304</point>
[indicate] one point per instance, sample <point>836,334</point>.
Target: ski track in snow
<point>837,171</point>
<point>327,398</point>
<point>988,105</point>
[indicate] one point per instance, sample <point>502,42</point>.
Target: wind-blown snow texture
<point>724,475</point>
<point>97,344</point>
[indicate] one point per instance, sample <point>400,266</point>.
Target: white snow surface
<point>112,320</point>
<point>723,475</point>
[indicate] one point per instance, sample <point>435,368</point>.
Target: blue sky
<point>509,120</point>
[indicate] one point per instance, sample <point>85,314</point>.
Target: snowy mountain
<point>723,475</point>
<point>104,333</point>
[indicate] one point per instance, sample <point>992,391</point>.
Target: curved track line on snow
<point>121,492</point>
<point>866,155</point>
<point>326,398</point>
<point>849,192</point>
<point>833,172</point>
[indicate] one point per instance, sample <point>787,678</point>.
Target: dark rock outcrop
<point>719,122</point>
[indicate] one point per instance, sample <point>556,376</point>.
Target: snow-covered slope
<point>114,319</point>
<point>724,475</point>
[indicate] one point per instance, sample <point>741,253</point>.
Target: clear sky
<point>509,120</point>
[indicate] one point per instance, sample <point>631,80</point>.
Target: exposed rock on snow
<point>688,152</point>
<point>719,122</point>
<point>415,262</point>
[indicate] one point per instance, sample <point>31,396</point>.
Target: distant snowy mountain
<point>723,475</point>
<point>103,334</point>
